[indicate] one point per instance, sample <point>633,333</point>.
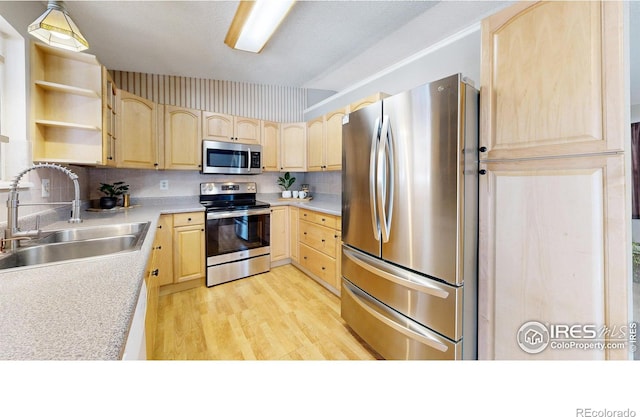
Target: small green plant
<point>286,181</point>
<point>115,189</point>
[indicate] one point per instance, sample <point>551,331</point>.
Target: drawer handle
<point>323,219</point>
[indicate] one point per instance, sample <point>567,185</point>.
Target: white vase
<point>286,194</point>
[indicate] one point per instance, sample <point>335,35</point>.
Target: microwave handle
<point>248,159</point>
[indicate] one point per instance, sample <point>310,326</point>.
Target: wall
<point>458,54</point>
<point>267,102</point>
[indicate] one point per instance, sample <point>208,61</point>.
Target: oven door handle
<point>237,213</point>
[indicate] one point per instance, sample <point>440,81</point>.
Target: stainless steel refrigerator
<point>410,222</point>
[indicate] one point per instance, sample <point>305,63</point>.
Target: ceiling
<point>312,48</point>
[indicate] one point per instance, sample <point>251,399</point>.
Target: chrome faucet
<point>13,232</point>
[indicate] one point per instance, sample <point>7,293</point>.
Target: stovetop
<point>225,196</point>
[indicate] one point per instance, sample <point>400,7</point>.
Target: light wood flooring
<point>282,314</point>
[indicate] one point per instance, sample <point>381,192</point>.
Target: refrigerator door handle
<point>395,275</point>
<point>385,179</point>
<point>373,169</point>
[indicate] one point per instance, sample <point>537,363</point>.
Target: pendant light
<point>255,22</point>
<point>56,28</point>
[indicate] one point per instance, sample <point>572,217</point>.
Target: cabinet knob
<point>483,149</point>
<point>483,171</point>
<point>305,257</point>
<point>322,240</point>
<point>189,219</point>
<point>159,226</point>
<point>155,165</point>
<point>304,233</point>
<point>155,272</point>
<point>323,268</point>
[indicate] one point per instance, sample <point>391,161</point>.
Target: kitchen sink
<point>72,244</point>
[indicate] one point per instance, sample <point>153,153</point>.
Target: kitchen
<point>178,182</point>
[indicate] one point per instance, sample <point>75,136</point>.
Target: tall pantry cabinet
<point>553,205</point>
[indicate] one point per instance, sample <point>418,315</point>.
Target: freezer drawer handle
<point>386,316</point>
<point>396,275</point>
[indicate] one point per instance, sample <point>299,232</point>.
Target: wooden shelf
<point>68,89</point>
<point>66,125</point>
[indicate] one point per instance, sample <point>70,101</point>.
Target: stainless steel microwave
<point>231,158</point>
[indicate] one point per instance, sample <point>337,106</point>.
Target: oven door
<point>237,244</point>
<point>230,158</point>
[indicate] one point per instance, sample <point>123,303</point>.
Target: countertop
<point>82,309</point>
<point>79,309</point>
<point>324,203</point>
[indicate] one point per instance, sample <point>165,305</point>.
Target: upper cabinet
<point>182,138</point>
<point>324,142</point>
<point>270,145</point>
<point>366,101</point>
<point>108,119</point>
<point>525,64</point>
<point>293,147</point>
<point>228,128</point>
<point>66,106</point>
<point>137,138</point>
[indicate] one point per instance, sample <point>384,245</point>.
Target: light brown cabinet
<point>137,138</point>
<point>551,80</point>
<point>67,108</point>
<point>188,247</point>
<point>181,242</point>
<point>553,233</point>
<point>270,145</point>
<point>109,116</point>
<point>324,142</point>
<point>182,138</point>
<point>279,238</point>
<point>293,234</point>
<point>293,147</point>
<point>364,102</point>
<point>229,128</point>
<point>152,282</point>
<point>319,246</point>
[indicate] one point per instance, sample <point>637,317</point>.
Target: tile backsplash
<point>146,183</point>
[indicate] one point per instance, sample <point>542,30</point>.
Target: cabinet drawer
<point>321,265</point>
<point>320,218</point>
<point>319,237</point>
<point>186,219</point>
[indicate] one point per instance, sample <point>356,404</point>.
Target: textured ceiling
<point>187,37</point>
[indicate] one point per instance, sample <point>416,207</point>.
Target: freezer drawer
<point>391,334</point>
<point>429,302</point>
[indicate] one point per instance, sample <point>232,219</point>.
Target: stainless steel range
<point>237,232</point>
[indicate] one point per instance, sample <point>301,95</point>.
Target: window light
<point>56,28</point>
<point>255,22</point>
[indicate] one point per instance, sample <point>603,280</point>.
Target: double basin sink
<point>78,243</point>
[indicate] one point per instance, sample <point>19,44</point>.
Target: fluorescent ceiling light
<point>255,22</point>
<point>56,28</point>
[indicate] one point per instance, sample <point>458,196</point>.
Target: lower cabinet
<point>279,235</point>
<point>319,237</point>
<point>181,254</point>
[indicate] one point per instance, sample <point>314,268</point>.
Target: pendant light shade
<point>56,28</point>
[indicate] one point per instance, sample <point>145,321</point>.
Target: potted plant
<point>286,182</point>
<point>111,192</point>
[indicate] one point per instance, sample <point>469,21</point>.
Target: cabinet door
<point>293,233</point>
<point>279,233</point>
<point>270,146</point>
<point>137,132</point>
<point>293,147</point>
<point>182,138</point>
<point>188,253</point>
<point>315,144</point>
<point>164,247</point>
<point>552,80</point>
<point>247,130</point>
<point>550,250</point>
<point>367,101</point>
<point>217,126</point>
<point>108,119</point>
<point>333,140</point>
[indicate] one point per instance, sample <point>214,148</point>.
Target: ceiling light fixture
<point>255,22</point>
<point>56,28</point>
